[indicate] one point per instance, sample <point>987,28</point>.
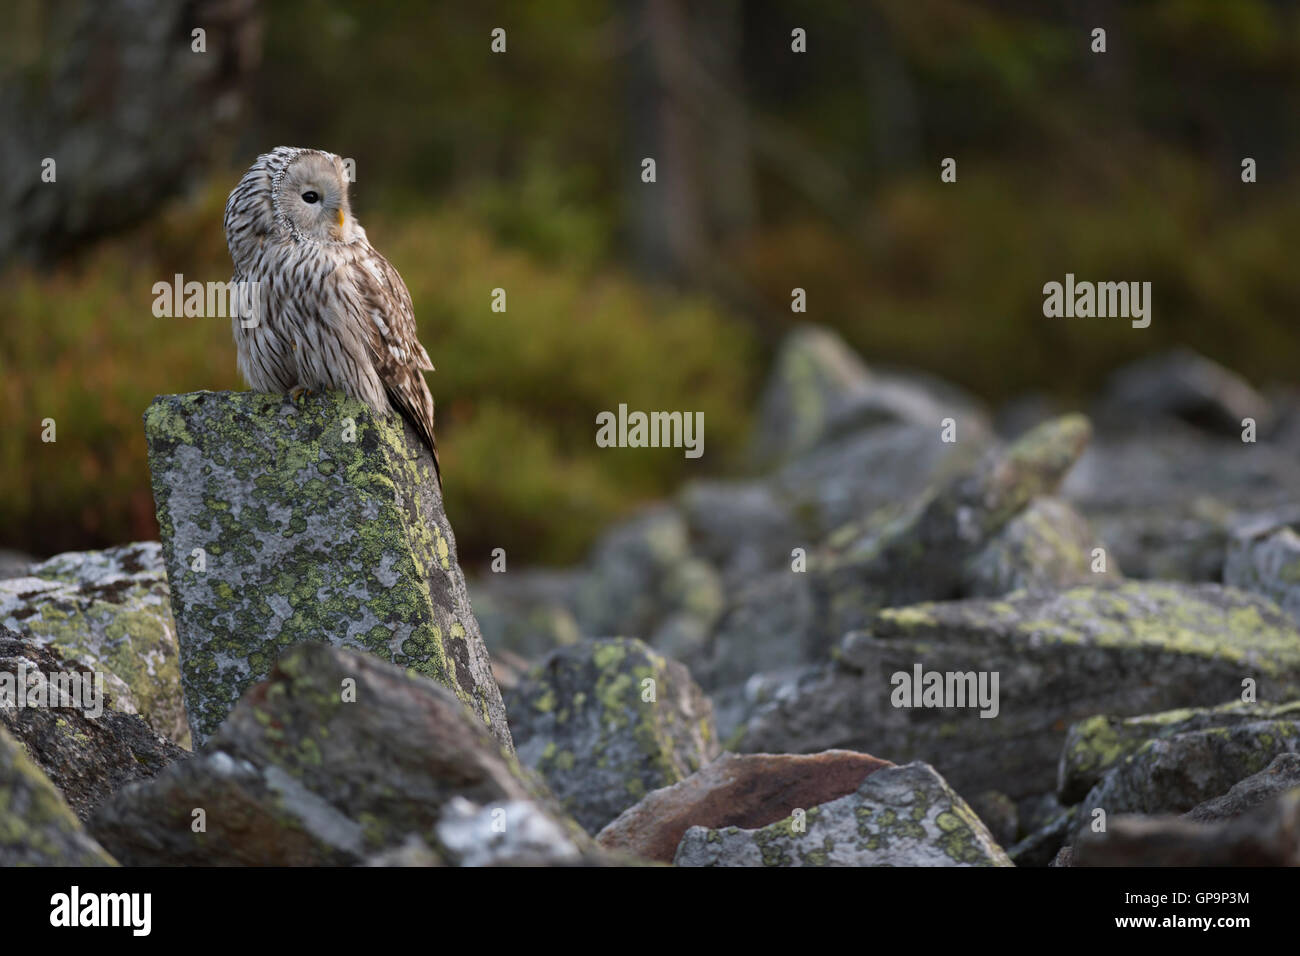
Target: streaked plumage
<point>334,313</point>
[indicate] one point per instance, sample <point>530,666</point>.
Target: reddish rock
<point>746,791</point>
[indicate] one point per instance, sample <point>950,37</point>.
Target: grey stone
<point>1174,774</point>
<point>1268,835</point>
<point>335,758</point>
<point>1095,745</point>
<point>87,749</point>
<point>110,610</point>
<point>899,816</point>
<point>36,826</point>
<point>584,719</point>
<point>1264,556</point>
<point>1277,778</point>
<point>1128,649</point>
<point>317,521</point>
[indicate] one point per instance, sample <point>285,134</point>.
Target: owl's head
<point>312,196</point>
<point>290,193</point>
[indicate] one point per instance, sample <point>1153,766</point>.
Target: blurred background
<point>522,170</point>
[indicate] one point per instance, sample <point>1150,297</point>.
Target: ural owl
<point>332,312</point>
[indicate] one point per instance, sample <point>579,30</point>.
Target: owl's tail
<point>416,405</point>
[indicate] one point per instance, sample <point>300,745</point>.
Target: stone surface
<point>1047,546</point>
<point>335,758</point>
<point>898,816</point>
<point>528,612</point>
<point>748,791</point>
<point>1174,774</point>
<point>1268,835</point>
<point>1095,745</point>
<point>643,579</point>
<point>742,528</point>
<point>1184,385</point>
<point>317,522</point>
<point>36,826</point>
<point>1129,649</point>
<point>606,722</point>
<point>111,611</point>
<point>1277,778</point>
<point>1264,557</point>
<point>921,553</point>
<point>87,749</point>
<point>1166,499</point>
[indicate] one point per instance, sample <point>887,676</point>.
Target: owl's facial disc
<point>314,197</point>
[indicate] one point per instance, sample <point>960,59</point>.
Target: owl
<point>332,313</point>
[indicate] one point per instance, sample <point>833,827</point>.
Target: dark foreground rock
<point>1266,836</point>
<point>747,791</point>
<point>898,816</point>
<point>338,756</point>
<point>315,521</point>
<point>609,721</point>
<point>36,826</point>
<point>71,732</point>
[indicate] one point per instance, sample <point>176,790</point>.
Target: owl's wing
<point>399,358</point>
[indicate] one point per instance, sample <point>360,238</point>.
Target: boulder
<point>1125,649</point>
<point>898,816</point>
<point>1183,385</point>
<point>1264,557</point>
<point>314,520</point>
<point>921,553</point>
<point>608,721</point>
<point>1268,835</point>
<point>1176,773</point>
<point>748,791</point>
<point>36,826</point>
<point>111,611</point>
<point>1097,744</point>
<point>86,749</point>
<point>336,757</point>
<point>1273,781</point>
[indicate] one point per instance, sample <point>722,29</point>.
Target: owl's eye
<point>311,196</point>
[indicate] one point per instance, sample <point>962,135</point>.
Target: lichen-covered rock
<point>1268,835</point>
<point>642,578</point>
<point>922,553</point>
<point>1166,499</point>
<point>742,528</point>
<point>87,749</point>
<point>1264,557</point>
<point>36,826</point>
<point>815,376</point>
<point>335,758</point>
<point>1048,546</point>
<point>111,611</point>
<point>1174,774</point>
<point>608,721</point>
<point>819,389</point>
<point>747,791</point>
<point>842,480</point>
<point>1184,385</point>
<point>1134,648</point>
<point>527,612</point>
<point>292,521</point>
<point>898,816</point>
<point>1277,778</point>
<point>1095,745</point>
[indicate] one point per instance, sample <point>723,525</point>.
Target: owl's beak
<point>340,219</point>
